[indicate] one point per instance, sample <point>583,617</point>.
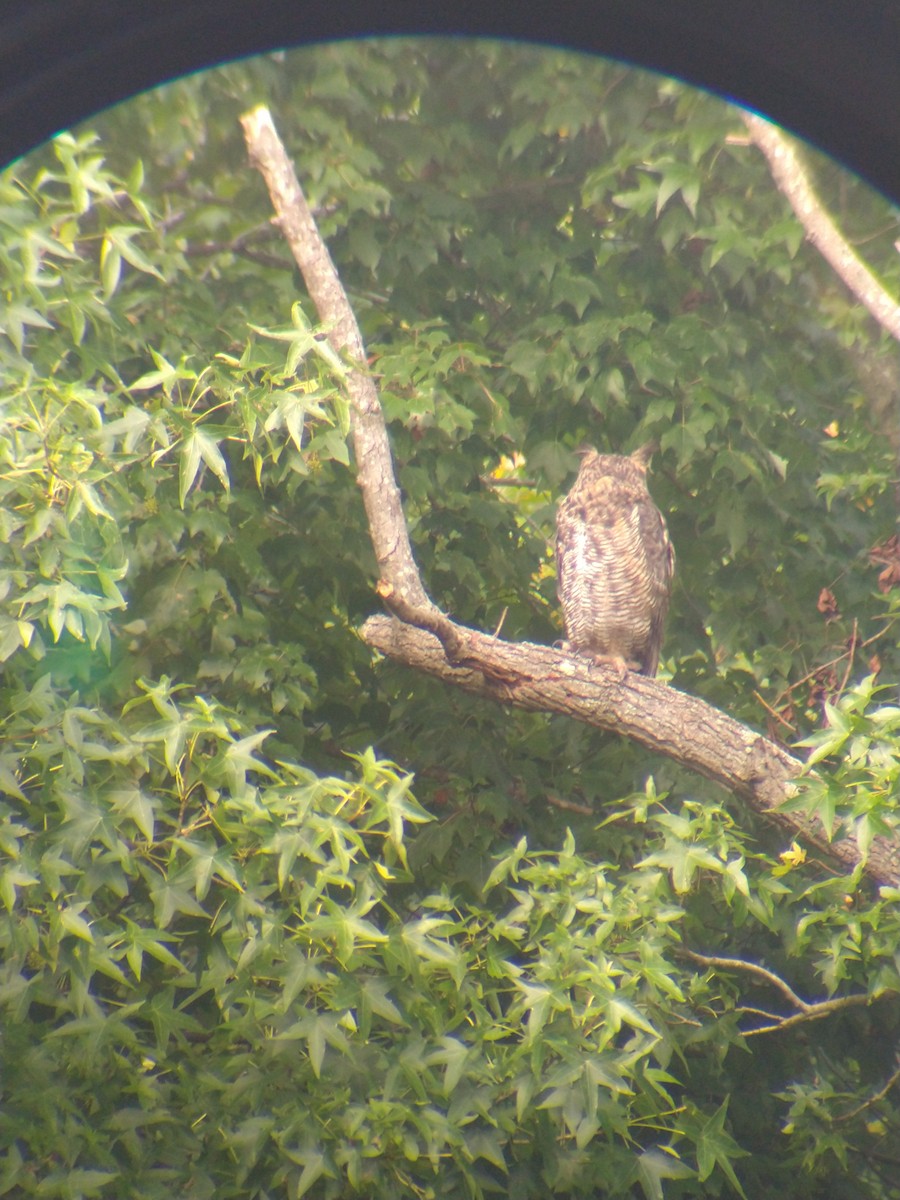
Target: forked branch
<point>804,1010</point>
<point>521,674</point>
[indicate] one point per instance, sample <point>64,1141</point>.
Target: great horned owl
<point>614,562</point>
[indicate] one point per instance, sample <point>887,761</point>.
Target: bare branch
<point>374,465</point>
<point>792,179</point>
<point>806,1011</point>
<point>815,1012</point>
<point>893,1080</point>
<point>569,805</point>
<point>740,964</point>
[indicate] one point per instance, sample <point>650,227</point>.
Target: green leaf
<point>452,1056</point>
<point>72,922</point>
<point>717,1148</point>
<point>507,866</point>
<point>122,238</point>
<point>133,803</point>
<point>212,456</point>
<point>621,1011</point>
<point>656,1165</point>
<point>189,465</point>
<point>110,266</point>
<point>313,1170</point>
<point>9,784</point>
<point>375,997</point>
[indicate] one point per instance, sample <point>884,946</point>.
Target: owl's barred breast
<point>614,562</point>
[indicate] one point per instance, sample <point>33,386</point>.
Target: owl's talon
<point>619,665</point>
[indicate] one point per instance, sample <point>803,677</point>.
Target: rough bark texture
<point>682,727</point>
<point>669,722</point>
<point>374,464</point>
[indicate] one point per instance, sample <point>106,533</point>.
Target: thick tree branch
<point>793,181</point>
<point>669,722</point>
<point>521,674</point>
<point>374,465</point>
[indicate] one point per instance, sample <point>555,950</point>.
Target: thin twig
<point>569,805</point>
<point>851,654</point>
<point>772,713</point>
<point>496,632</point>
<point>893,1080</point>
<point>831,663</point>
<point>807,1011</point>
<point>815,1012</point>
<point>740,964</point>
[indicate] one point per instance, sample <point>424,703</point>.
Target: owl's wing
<point>566,524</point>
<point>659,556</point>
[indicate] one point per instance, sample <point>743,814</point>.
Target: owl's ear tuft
<point>585,454</point>
<point>644,453</point>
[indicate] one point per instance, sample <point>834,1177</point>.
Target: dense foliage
<point>279,919</point>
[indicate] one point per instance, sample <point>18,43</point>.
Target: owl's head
<point>595,465</point>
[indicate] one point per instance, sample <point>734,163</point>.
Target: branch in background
<point>539,678</point>
<point>792,179</point>
<point>876,1098</point>
<point>804,1010</point>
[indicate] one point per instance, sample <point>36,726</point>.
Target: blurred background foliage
<point>240,956</point>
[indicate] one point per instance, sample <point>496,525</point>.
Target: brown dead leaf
<point>827,604</point>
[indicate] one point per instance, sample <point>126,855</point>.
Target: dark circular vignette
<point>826,69</point>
